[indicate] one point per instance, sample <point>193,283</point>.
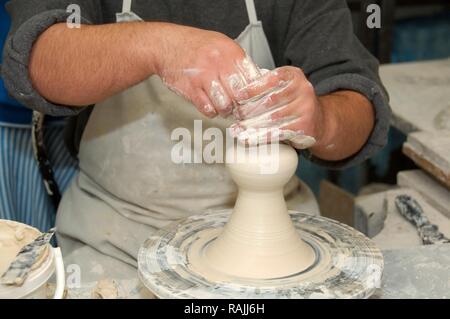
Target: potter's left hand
<point>281,105</point>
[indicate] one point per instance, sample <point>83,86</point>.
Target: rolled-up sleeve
<point>29,19</point>
<point>321,41</point>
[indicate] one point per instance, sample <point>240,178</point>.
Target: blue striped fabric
<point>22,193</point>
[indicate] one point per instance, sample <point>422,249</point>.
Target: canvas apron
<point>129,187</point>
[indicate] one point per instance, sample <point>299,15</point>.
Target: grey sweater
<point>315,35</point>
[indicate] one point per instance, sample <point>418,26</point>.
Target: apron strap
<point>251,10</point>
<point>126,6</point>
<point>42,158</point>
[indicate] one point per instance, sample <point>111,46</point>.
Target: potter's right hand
<point>205,67</point>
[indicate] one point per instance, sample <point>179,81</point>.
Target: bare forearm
<point>348,118</point>
<point>83,66</point>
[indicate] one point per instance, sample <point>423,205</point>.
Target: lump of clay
<point>260,241</point>
<point>105,289</point>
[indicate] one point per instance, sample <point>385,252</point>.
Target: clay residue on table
<point>418,94</point>
<point>105,289</point>
<point>442,119</point>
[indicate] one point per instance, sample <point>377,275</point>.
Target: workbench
<point>419,272</point>
<point>420,101</point>
<point>419,94</point>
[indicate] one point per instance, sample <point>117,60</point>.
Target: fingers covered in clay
<point>288,112</point>
<point>205,67</point>
<point>273,89</point>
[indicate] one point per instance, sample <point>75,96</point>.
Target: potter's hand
<point>205,67</point>
<point>279,106</point>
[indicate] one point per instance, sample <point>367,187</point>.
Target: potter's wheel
<point>259,249</point>
<point>347,264</point>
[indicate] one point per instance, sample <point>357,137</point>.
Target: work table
<point>416,272</point>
